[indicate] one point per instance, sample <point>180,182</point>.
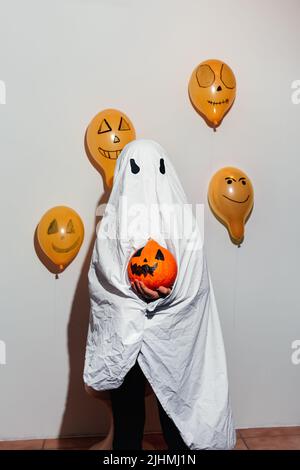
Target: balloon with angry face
<point>106,136</point>
<point>231,198</point>
<point>212,90</point>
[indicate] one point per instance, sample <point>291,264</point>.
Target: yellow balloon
<point>107,135</point>
<point>60,234</point>
<point>231,198</point>
<point>212,90</point>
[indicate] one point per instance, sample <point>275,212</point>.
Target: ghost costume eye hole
<point>53,227</point>
<point>159,255</point>
<point>162,167</point>
<point>205,76</point>
<point>134,167</point>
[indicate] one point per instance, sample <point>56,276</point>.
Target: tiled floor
<point>282,438</point>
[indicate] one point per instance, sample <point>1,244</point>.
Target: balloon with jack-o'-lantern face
<point>60,234</point>
<point>154,265</point>
<point>212,90</point>
<point>106,136</point>
<point>231,198</point>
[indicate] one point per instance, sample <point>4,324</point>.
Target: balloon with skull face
<point>230,196</point>
<point>212,90</point>
<point>106,136</point>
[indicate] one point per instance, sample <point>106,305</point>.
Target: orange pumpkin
<point>154,265</point>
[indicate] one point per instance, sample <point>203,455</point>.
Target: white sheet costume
<point>177,340</point>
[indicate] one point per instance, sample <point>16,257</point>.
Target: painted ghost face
<point>107,135</point>
<point>231,199</point>
<point>60,234</point>
<point>212,90</point>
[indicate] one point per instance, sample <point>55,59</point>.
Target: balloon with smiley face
<point>60,234</point>
<point>212,90</point>
<point>106,136</point>
<point>231,198</point>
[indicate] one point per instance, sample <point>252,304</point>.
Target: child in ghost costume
<point>176,339</point>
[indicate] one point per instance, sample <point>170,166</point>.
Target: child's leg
<point>171,434</point>
<point>128,406</point>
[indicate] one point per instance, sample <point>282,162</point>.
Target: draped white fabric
<point>177,339</point>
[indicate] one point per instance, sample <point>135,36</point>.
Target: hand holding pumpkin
<point>152,271</point>
<point>149,294</point>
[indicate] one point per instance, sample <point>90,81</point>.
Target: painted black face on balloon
<point>135,168</point>
<point>216,81</point>
<point>233,187</point>
<point>59,233</point>
<point>145,269</point>
<point>112,146</point>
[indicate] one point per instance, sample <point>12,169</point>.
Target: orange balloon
<point>212,90</point>
<point>60,234</point>
<point>231,198</point>
<point>107,135</point>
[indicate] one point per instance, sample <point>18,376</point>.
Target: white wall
<point>62,61</point>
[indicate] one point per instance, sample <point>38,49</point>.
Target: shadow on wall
<point>83,415</point>
<point>53,268</point>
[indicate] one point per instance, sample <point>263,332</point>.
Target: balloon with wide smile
<point>60,234</point>
<point>106,136</point>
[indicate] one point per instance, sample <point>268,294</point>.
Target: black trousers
<point>128,407</point>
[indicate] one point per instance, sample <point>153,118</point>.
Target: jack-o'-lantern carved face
<point>107,135</point>
<point>154,265</point>
<point>212,90</point>
<point>60,234</point>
